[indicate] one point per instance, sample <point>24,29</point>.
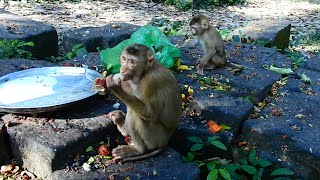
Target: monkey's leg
<point>125,151</point>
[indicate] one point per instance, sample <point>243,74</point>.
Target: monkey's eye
<point>131,62</point>
<point>123,58</point>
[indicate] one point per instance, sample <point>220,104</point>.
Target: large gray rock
<point>168,165</point>
<point>46,143</point>
<point>43,35</point>
<point>313,63</point>
<point>272,32</point>
<point>292,139</point>
<point>104,37</point>
<point>13,65</point>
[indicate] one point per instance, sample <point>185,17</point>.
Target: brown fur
<point>211,42</point>
<point>153,99</point>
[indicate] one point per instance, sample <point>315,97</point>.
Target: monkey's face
<point>131,66</point>
<point>196,29</point>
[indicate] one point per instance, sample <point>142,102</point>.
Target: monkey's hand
<point>112,84</point>
<point>200,69</point>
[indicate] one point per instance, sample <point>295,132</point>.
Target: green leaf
<point>225,127</point>
<point>81,52</point>
<point>211,166</point>
<point>249,169</point>
<point>262,163</point>
<point>75,47</point>
<point>190,156</point>
<point>101,142</point>
<point>185,159</point>
<point>213,175</point>
<point>232,167</point>
<point>107,157</point>
<point>252,155</point>
<point>219,145</point>
<point>196,147</point>
<point>280,70</point>
<point>195,139</point>
<point>305,79</point>
<point>69,55</point>
<point>213,138</point>
<point>154,172</point>
<point>199,163</point>
<point>225,174</point>
<point>89,148</point>
<point>90,160</point>
<point>260,172</point>
<point>243,161</point>
<point>281,172</point>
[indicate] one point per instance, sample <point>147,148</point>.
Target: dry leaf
<point>214,127</point>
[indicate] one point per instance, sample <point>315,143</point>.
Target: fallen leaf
<point>242,143</point>
<point>103,150</point>
<point>183,68</point>
<point>214,127</point>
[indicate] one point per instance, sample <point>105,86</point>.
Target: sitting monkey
<point>211,42</point>
<point>153,99</point>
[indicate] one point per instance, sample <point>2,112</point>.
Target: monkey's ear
<point>150,60</point>
<point>205,25</point>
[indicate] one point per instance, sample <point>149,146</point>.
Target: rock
<point>252,80</point>
<point>13,65</point>
<point>313,64</point>
<point>4,149</point>
<point>104,37</point>
<point>270,32</point>
<point>192,127</point>
<point>46,143</point>
<point>91,60</point>
<point>168,165</point>
<point>288,133</point>
<point>43,35</point>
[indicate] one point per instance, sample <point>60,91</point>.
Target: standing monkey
<point>153,99</point>
<point>211,42</point>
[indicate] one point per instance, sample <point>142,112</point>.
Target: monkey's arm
<point>207,56</point>
<point>133,103</point>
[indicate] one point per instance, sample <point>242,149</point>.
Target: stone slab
<point>293,139</point>
<point>168,165</point>
<point>104,37</point>
<point>192,127</point>
<point>46,142</point>
<point>273,32</point>
<point>43,35</point>
<point>313,63</point>
<point>254,81</point>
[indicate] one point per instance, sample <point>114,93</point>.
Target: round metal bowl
<point>45,89</point>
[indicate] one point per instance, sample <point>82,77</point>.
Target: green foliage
<point>15,49</point>
<point>77,51</point>
<point>296,57</point>
<point>170,28</point>
<point>182,5</point>
<point>254,167</point>
<point>165,52</point>
<point>247,167</point>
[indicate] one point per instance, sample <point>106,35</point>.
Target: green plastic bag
<point>151,36</point>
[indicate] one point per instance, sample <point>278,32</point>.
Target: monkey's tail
<point>143,156</point>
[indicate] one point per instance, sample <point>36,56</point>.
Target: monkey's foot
<point>124,151</point>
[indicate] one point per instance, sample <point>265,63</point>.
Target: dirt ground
<point>67,15</point>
